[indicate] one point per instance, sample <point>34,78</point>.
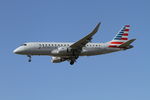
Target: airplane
<point>65,51</point>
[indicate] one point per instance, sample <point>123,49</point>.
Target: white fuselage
<point>59,49</point>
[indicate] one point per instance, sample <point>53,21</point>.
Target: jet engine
<point>64,50</point>
<point>57,59</point>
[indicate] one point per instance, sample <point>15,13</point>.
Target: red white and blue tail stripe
<point>121,37</point>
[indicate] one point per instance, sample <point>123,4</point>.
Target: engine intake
<point>57,59</point>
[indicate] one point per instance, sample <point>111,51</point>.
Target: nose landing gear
<point>29,60</point>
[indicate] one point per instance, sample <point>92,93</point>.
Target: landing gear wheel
<point>71,62</point>
<point>29,58</point>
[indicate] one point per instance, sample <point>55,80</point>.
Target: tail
<point>121,38</point>
<point>122,35</point>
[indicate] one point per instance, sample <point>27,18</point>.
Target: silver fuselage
<point>51,48</point>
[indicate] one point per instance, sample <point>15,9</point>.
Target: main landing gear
<point>29,60</point>
<point>73,60</point>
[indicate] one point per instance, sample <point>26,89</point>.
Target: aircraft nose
<point>17,51</point>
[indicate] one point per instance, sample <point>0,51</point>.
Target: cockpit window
<point>24,45</point>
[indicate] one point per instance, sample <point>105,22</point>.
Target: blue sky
<point>118,76</point>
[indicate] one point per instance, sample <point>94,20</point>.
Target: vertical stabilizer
<point>121,37</point>
<point>123,33</point>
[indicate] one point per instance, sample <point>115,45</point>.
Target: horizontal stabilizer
<point>127,43</point>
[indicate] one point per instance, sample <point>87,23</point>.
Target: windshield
<point>24,45</point>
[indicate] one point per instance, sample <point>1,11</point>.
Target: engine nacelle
<point>63,50</point>
<point>57,59</point>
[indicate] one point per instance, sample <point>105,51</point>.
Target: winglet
<point>127,43</point>
<point>96,28</point>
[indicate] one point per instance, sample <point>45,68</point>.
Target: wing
<point>82,42</point>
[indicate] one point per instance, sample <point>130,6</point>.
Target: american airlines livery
<point>64,51</point>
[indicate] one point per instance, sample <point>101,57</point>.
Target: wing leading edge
<point>82,42</point>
